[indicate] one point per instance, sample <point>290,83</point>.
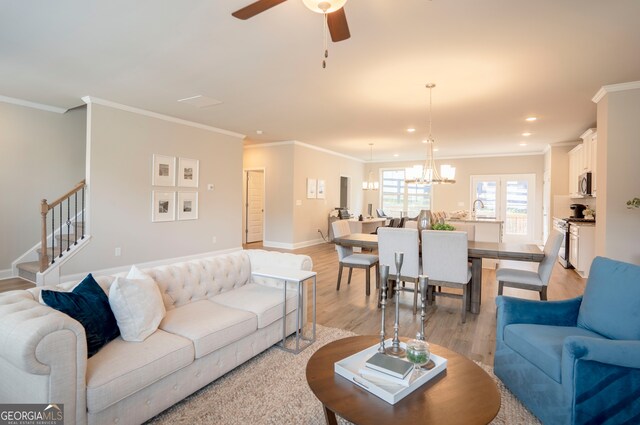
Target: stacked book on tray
<point>387,368</point>
<point>386,377</point>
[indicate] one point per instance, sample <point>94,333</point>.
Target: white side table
<point>299,277</point>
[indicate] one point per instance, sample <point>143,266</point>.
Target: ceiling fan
<point>333,9</point>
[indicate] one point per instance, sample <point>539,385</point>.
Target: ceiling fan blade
<point>255,8</point>
<point>338,26</point>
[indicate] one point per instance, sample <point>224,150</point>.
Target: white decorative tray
<point>392,393</point>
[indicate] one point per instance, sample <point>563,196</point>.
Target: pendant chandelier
<point>371,183</point>
<point>428,173</point>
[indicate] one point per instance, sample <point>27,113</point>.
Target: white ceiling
<point>495,62</point>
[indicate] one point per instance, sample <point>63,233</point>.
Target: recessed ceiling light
<point>531,119</point>
<point>411,130</point>
<point>258,131</point>
<point>396,155</point>
<point>523,144</point>
<point>436,149</point>
<point>526,134</point>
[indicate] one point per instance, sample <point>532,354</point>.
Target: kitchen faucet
<point>474,205</point>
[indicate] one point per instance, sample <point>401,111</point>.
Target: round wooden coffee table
<point>462,394</point>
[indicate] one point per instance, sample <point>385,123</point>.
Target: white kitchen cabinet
<point>583,159</point>
<point>582,247</point>
<point>576,161</point>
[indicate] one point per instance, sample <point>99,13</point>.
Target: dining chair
<point>521,276</point>
<point>381,214</point>
<point>392,240</point>
<point>445,262</point>
<point>347,258</point>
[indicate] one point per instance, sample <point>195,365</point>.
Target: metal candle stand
<point>384,277</point>
<point>395,350</point>
<point>424,283</point>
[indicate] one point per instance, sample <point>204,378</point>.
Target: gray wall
<point>287,167</point>
<point>119,173</point>
<point>42,155</point>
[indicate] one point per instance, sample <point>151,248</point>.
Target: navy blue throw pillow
<point>89,305</point>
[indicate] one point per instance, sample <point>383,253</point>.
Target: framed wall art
<point>188,172</point>
<point>164,170</point>
<point>187,205</point>
<point>311,188</point>
<point>163,207</point>
<point>320,191</point>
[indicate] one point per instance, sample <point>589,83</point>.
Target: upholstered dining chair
<point>512,274</point>
<point>347,258</point>
<point>445,262</point>
<point>392,240</point>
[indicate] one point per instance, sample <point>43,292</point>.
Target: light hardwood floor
<point>350,309</point>
<point>14,283</point>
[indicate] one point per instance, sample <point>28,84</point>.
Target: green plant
<point>443,226</point>
<point>633,203</point>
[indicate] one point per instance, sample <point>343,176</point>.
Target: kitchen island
<point>487,230</point>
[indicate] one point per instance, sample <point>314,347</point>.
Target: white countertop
<point>477,220</point>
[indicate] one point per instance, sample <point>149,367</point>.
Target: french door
<point>509,198</point>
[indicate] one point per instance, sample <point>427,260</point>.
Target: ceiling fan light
<point>324,6</point>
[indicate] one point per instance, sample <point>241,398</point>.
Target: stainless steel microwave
<point>584,184</point>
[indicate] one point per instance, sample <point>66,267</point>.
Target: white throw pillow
<point>137,304</point>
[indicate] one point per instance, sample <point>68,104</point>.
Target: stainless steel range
<point>562,225</point>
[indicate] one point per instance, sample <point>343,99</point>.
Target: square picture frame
<point>188,172</point>
<point>320,190</point>
<point>187,205</point>
<point>164,170</point>
<point>163,206</point>
<point>311,188</point>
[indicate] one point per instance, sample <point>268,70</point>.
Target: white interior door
<point>509,198</point>
<point>255,206</point>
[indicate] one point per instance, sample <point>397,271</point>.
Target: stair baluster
<point>45,208</point>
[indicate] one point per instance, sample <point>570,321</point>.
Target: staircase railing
<point>62,219</point>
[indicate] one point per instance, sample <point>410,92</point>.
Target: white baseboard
<point>280,245</point>
<point>292,246</point>
<point>147,265</point>
<point>6,273</point>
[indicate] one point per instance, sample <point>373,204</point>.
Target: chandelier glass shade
<point>370,183</point>
<point>428,173</point>
<point>324,6</point>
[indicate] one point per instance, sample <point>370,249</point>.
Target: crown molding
<point>614,88</point>
<point>304,145</point>
<point>90,99</point>
<point>34,105</point>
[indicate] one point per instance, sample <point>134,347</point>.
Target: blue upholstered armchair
<point>576,361</point>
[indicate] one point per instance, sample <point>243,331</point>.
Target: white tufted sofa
<point>217,318</point>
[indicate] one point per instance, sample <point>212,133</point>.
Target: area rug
<point>272,389</point>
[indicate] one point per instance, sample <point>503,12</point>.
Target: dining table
<point>476,250</point>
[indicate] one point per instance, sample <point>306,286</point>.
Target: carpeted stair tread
<point>30,266</point>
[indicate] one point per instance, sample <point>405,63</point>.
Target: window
<point>508,198</point>
<point>399,198</point>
